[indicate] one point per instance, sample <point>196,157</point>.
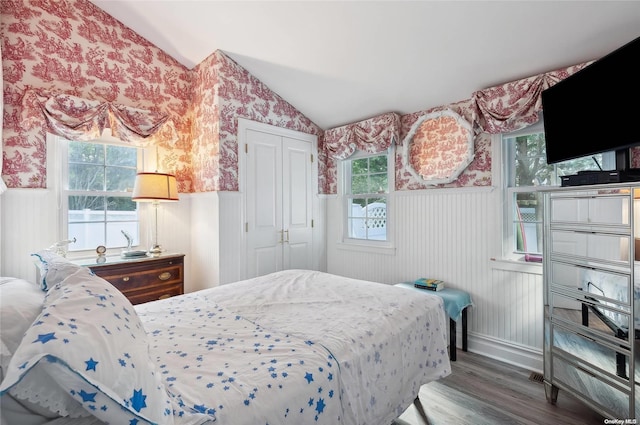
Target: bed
<point>293,347</point>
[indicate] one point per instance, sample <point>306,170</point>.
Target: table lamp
<point>155,188</point>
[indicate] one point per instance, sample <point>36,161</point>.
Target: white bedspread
<point>299,347</point>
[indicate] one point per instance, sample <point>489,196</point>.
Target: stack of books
<point>429,284</point>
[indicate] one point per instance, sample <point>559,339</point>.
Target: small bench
<point>455,302</point>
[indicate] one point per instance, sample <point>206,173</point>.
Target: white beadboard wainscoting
<point>450,234</point>
<point>30,222</point>
<point>453,235</point>
<point>207,227</point>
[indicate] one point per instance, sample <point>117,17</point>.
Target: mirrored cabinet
<point>591,297</point>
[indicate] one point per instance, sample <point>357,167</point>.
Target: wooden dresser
<point>142,279</point>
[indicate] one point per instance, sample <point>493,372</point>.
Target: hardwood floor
<point>483,391</point>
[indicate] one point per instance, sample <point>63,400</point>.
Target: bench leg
<point>452,340</point>
<point>464,329</point>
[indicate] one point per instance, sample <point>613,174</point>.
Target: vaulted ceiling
<point>342,61</point>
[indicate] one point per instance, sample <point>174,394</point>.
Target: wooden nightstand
<point>142,279</point>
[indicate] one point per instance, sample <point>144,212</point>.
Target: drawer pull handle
<point>164,276</point>
<point>164,297</point>
<point>126,278</point>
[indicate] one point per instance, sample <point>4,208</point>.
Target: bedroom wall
<point>224,92</point>
<point>63,48</point>
<point>81,50</point>
<point>452,234</point>
<point>74,47</point>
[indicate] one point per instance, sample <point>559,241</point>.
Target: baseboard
<point>506,351</point>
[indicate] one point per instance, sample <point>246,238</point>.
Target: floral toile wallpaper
<point>73,48</point>
<point>224,91</point>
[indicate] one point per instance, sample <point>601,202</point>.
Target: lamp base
<point>155,251</point>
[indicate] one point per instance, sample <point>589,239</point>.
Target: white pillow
<point>53,268</point>
<point>87,354</point>
<point>20,304</point>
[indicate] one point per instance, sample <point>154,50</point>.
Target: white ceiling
<point>342,61</point>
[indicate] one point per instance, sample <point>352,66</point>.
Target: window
<point>97,180</point>
<point>525,171</point>
<point>366,192</point>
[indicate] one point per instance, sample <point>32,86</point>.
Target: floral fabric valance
<point>82,119</point>
<point>372,135</point>
<point>512,106</point>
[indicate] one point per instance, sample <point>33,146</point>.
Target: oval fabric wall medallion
<point>438,147</point>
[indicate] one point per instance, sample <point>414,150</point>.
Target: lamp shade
<point>155,187</point>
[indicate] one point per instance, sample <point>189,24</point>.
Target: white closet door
<point>264,203</point>
<point>279,203</point>
<point>297,204</point>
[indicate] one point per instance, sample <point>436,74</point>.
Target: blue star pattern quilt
<point>299,347</point>
<point>293,347</point>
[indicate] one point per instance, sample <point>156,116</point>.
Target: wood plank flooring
<point>484,391</point>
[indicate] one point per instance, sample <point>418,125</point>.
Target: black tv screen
<point>595,110</point>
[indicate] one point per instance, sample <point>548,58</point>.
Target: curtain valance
<point>372,135</point>
<point>76,118</point>
<point>515,105</point>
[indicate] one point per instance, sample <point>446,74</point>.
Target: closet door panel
<point>297,204</point>
<point>264,203</point>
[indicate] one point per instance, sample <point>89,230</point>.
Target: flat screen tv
<point>596,110</point>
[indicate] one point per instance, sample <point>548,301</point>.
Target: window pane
<point>88,235</point>
<point>123,156</point>
<point>86,177</point>
<point>99,220</point>
<point>86,208</point>
<point>121,209</point>
<point>360,166</point>
<point>528,222</point>
<point>531,167</point>
<point>376,213</point>
<point>357,228</point>
<point>360,184</point>
<point>120,179</point>
<point>88,153</point>
<point>378,164</point>
<point>378,183</point>
<point>366,216</point>
<point>115,238</point>
<point>580,164</point>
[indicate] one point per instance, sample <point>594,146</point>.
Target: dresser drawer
<point>606,210</point>
<point>580,281</point>
<point>147,279</point>
<point>580,379</point>
<point>131,279</point>
<point>608,247</point>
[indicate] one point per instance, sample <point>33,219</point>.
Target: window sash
<point>99,226</point>
<point>360,226</point>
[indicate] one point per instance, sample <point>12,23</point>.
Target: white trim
<point>368,245</point>
<point>371,247</point>
<point>446,190</point>
<point>505,351</point>
<point>516,266</point>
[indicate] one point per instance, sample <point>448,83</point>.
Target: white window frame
<point>57,151</point>
<point>505,156</point>
<point>368,245</point>
<point>509,190</point>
